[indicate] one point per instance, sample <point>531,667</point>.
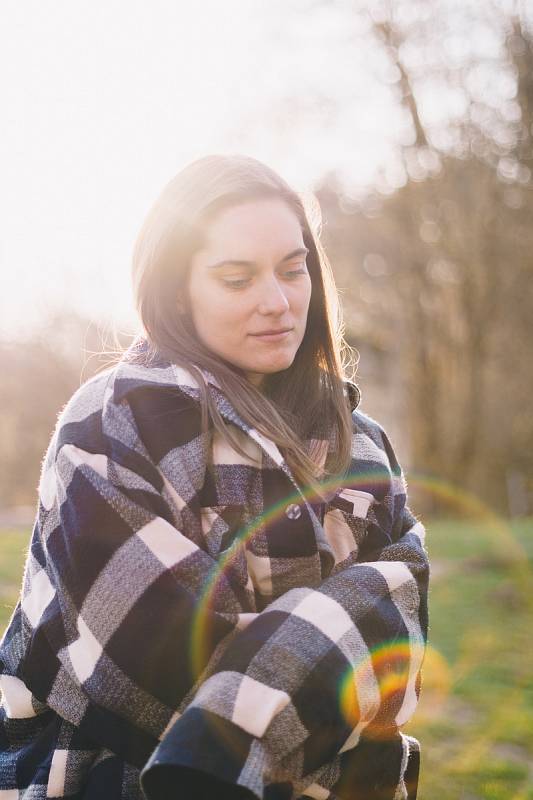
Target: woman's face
<point>252,277</point>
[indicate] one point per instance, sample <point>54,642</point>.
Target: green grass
<point>475,715</point>
<point>13,548</point>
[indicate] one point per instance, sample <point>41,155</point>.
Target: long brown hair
<point>306,401</point>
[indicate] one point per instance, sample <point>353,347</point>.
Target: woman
<point>225,595</point>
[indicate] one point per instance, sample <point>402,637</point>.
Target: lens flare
<point>387,663</point>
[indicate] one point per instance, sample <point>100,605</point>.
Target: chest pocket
<point>346,523</point>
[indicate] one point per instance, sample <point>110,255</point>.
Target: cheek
<point>219,314</point>
<point>208,301</point>
<point>302,300</point>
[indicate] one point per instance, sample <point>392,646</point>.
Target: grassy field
<point>475,716</point>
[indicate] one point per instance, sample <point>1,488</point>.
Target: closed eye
<point>242,281</point>
<point>235,284</point>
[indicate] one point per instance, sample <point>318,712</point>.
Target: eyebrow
<point>300,251</point>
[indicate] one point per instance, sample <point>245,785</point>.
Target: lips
<point>271,338</point>
<point>267,333</point>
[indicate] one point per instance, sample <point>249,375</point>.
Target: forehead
<point>256,225</point>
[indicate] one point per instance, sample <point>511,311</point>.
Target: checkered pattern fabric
<point>188,617</point>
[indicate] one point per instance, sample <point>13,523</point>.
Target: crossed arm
<point>318,672</point>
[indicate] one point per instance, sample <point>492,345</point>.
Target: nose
<point>272,297</point>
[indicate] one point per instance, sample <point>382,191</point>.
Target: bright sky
<point>104,102</point>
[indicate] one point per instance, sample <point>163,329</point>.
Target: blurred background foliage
<point>434,266</point>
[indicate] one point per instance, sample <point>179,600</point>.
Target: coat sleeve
<point>318,677</point>
<point>112,583</point>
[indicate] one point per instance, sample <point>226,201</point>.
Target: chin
<point>276,363</point>
<point>270,369</point>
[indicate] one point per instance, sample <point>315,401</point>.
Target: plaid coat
<point>204,625</point>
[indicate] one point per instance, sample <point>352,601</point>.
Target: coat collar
<point>131,373</point>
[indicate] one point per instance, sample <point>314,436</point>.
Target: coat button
<point>293,511</point>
